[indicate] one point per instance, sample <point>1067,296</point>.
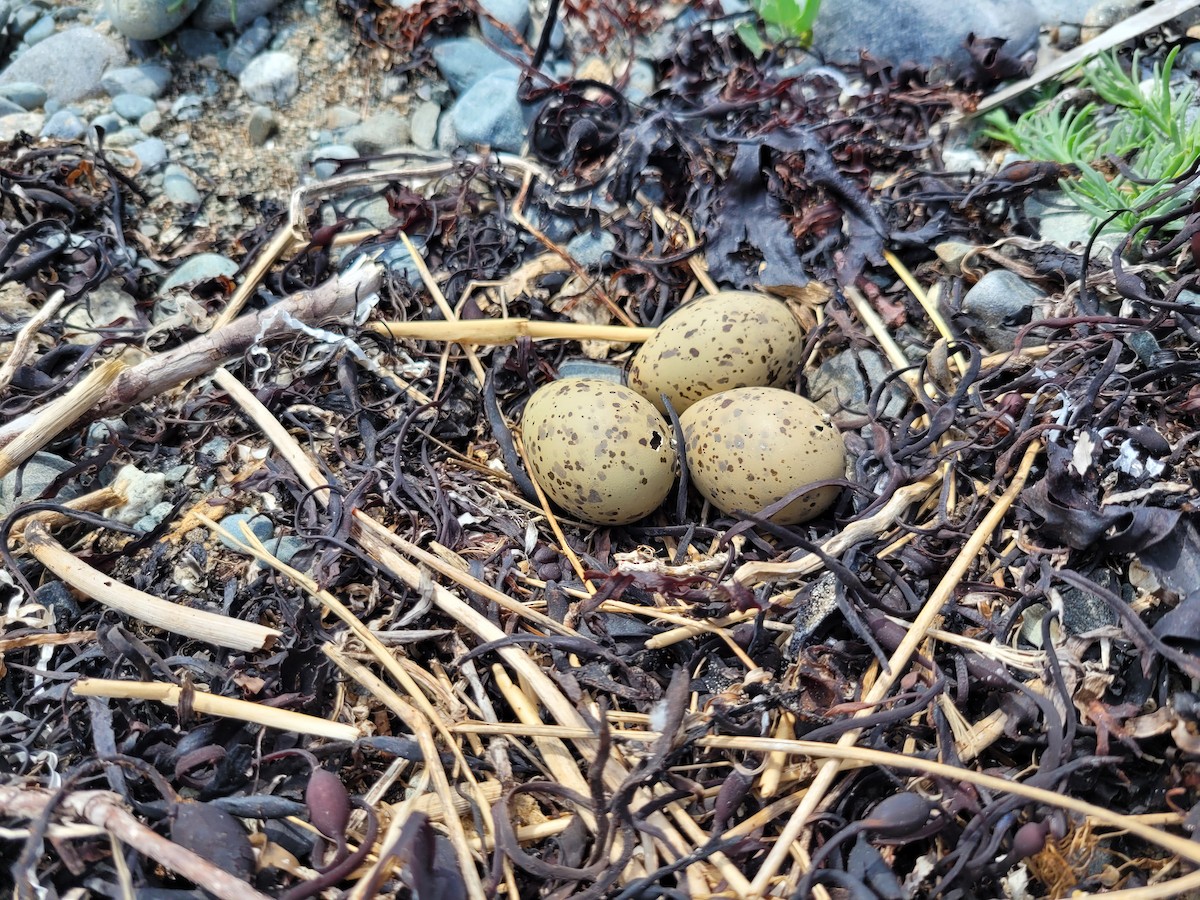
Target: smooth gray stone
<point>842,385</point>
<point>423,124</point>
<point>592,250</point>
<point>152,153</point>
<point>489,114</point>
<point>25,94</point>
<point>512,13</point>
<point>35,476</point>
<point>249,44</point>
<point>1000,304</point>
<point>222,15</point>
<point>323,169</point>
<point>8,108</point>
<point>42,29</point>
<point>260,526</point>
<point>200,267</point>
<point>64,125</point>
<point>24,17</point>
<point>643,81</point>
<point>271,77</point>
<point>178,188</point>
<point>216,449</point>
<point>68,66</point>
<point>110,122</point>
<point>926,32</point>
<point>147,80</point>
<point>196,43</point>
<point>465,61</point>
<point>338,117</point>
<point>145,20</point>
<point>382,131</point>
<point>187,107</point>
<point>132,107</point>
<point>261,125</point>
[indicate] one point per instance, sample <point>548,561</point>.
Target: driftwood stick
<point>199,624</point>
<point>216,705</point>
<point>33,431</point>
<point>104,809</point>
<point>337,298</point>
<point>24,342</point>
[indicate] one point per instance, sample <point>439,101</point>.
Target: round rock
<point>145,20</point>
<point>25,94</point>
<point>272,77</point>
<point>68,65</point>
<point>147,81</point>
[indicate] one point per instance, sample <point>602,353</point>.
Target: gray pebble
<point>1000,304</point>
<point>132,107</point>
<point>842,385</point>
<point>8,108</point>
<point>68,65</point>
<point>35,476</point>
<point>187,107</point>
<point>200,267</point>
<point>178,188</point>
<point>248,45</point>
<point>261,125</point>
<point>465,61</point>
<point>110,122</point>
<point>64,125</point>
<point>512,13</point>
<point>147,80</point>
<point>151,152</point>
<point>933,32</point>
<point>643,81</point>
<point>146,20</point>
<point>592,250</point>
<point>260,526</point>
<point>489,114</point>
<point>216,449</point>
<point>154,517</point>
<point>42,29</point>
<point>423,124</point>
<point>271,77</point>
<point>222,15</point>
<point>24,18</point>
<point>285,548</point>
<point>126,137</point>
<point>195,43</point>
<point>382,131</point>
<point>150,122</point>
<point>57,597</point>
<point>325,170</point>
<point>337,117</point>
<point>25,94</point>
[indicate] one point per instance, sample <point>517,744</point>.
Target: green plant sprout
<point>1148,127</point>
<point>782,20</point>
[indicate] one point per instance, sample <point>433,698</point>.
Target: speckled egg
<point>749,447</point>
<point>726,340</point>
<point>599,450</point>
